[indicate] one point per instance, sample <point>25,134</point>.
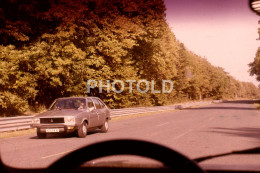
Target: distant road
<point>195,132</point>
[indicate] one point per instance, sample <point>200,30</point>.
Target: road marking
<point>183,134</point>
<point>192,129</point>
<point>163,124</point>
<point>45,157</point>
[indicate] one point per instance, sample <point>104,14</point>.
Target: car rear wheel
<point>105,127</point>
<point>41,135</point>
<point>82,131</point>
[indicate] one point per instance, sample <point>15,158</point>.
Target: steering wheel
<point>167,156</point>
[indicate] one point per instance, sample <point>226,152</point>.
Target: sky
<point>222,31</point>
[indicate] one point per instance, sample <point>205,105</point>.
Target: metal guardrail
<point>23,122</point>
<point>15,123</point>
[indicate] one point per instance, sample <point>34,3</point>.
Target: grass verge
<point>4,135</point>
<point>139,115</point>
<point>257,105</point>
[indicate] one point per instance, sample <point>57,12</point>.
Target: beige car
<point>73,114</point>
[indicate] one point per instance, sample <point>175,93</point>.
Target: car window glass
<point>97,104</point>
<point>82,104</point>
<point>101,104</point>
<point>70,103</point>
<point>90,104</point>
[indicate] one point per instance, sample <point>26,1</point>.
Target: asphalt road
<point>195,132</point>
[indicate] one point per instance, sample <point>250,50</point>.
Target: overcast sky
<point>222,31</point>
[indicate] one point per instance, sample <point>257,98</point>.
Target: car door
<point>93,113</point>
<point>103,111</point>
<point>99,112</point>
<point>82,108</point>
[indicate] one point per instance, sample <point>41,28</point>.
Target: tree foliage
<point>255,65</point>
<point>51,48</point>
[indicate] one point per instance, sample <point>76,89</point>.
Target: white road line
<point>183,134</point>
<point>45,157</point>
<point>192,129</point>
<point>163,124</point>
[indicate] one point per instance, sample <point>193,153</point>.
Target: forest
<point>50,49</point>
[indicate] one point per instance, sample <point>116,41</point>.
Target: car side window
<point>90,105</point>
<point>101,104</point>
<point>97,104</point>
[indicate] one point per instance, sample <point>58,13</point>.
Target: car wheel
<point>104,127</point>
<point>41,135</point>
<point>82,131</point>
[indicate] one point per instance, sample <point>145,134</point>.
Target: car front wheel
<point>82,131</point>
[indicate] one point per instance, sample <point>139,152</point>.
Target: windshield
<point>181,73</point>
<point>72,103</point>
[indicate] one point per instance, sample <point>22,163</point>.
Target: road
<point>195,132</point>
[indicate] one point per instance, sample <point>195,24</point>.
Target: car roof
<point>75,97</point>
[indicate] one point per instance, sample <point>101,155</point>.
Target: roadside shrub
<point>11,105</point>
